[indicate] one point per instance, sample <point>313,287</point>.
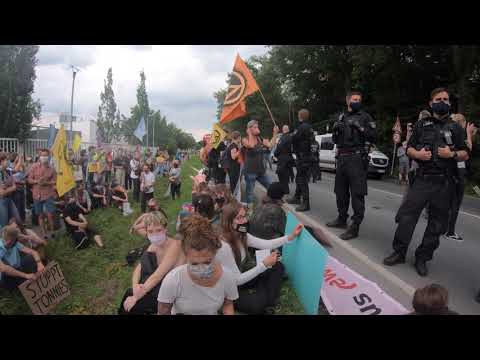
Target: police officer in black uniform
<point>302,140</point>
<point>283,153</point>
<point>316,173</point>
<point>437,144</point>
<point>353,133</point>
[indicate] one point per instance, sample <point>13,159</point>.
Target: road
<point>455,265</point>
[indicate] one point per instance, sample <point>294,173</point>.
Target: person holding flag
<point>217,172</point>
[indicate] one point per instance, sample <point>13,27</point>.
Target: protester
<point>83,198</point>
<point>174,179</point>
<point>98,195</point>
<point>147,182</point>
<point>18,174</point>
<point>43,179</point>
<point>403,164</point>
<point>84,163</point>
<point>268,219</point>
<point>17,262</point>
<point>285,161</point>
<point>126,158</point>
<point>108,166</point>
<point>119,194</point>
<point>27,237</point>
<point>92,166</point>
<point>77,225</point>
<point>118,167</point>
<point>235,232</point>
<point>431,300</point>
<point>222,196</point>
<point>232,165</point>
<point>253,147</point>
<point>134,175</point>
<point>202,286</point>
<point>138,301</point>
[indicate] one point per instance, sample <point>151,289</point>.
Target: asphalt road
<point>455,265</point>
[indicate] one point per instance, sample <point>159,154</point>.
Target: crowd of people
<point>32,212</point>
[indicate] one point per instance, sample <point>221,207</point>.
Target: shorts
<point>44,206</point>
<point>403,167</point>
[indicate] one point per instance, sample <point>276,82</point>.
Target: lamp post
<point>75,70</point>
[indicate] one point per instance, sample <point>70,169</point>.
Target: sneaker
<point>454,237</point>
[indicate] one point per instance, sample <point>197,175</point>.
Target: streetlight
<point>75,70</point>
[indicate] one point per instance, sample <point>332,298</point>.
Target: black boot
<point>295,200</point>
<point>304,206</point>
<point>394,259</point>
<point>421,267</point>
<point>477,298</point>
<point>351,233</point>
<point>338,223</point>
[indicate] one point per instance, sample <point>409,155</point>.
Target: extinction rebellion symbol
<point>236,89</point>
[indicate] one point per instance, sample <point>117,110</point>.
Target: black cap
<point>276,191</point>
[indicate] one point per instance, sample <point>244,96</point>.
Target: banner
<point>242,84</point>
<point>65,179</point>
<point>218,135</point>
<point>47,290</point>
<point>140,131</point>
<point>304,259</point>
<point>345,292</point>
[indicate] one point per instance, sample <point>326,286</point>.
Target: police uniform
<point>433,185</point>
<point>353,133</point>
<point>302,140</point>
<point>283,152</point>
<point>316,173</point>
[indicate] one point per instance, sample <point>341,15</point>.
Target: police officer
<point>302,140</point>
<point>316,173</point>
<point>283,153</point>
<point>437,144</point>
<point>353,133</point>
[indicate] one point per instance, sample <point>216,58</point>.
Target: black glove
<point>356,124</point>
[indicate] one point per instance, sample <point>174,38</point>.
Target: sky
<point>181,79</point>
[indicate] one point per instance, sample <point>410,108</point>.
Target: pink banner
<point>344,292</point>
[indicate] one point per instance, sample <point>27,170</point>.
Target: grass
<point>97,277</point>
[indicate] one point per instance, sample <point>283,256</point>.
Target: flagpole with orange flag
<point>242,84</point>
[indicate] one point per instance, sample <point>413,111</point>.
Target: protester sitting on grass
<point>17,262</point>
<point>27,237</point>
<point>266,277</point>
<point>268,219</point>
<point>83,198</point>
<point>202,286</point>
<point>138,226</point>
<point>77,225</point>
<point>431,300</point>
<point>119,194</point>
<point>99,195</point>
<point>138,301</point>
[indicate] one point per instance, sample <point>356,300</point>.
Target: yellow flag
<point>218,135</point>
<point>65,179</point>
<point>76,142</point>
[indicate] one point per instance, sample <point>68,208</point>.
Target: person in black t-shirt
<point>99,196</point>
<point>232,165</point>
<point>119,195</point>
<point>77,225</point>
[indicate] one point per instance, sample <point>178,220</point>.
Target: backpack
<point>135,254</point>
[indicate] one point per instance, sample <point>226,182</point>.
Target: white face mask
<point>44,159</point>
<point>157,238</point>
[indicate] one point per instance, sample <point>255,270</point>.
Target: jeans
<point>250,179</point>
<point>7,211</point>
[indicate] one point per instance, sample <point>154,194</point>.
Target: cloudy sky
<point>181,79</point>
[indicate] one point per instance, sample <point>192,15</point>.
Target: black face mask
<point>242,228</point>
<point>441,108</point>
<point>220,200</point>
<point>356,106</point>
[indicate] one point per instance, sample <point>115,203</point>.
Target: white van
<point>377,167</point>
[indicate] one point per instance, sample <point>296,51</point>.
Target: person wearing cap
<point>268,220</point>
<point>254,167</point>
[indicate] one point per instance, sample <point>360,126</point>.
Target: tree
<point>17,77</point>
<point>108,117</point>
<point>141,109</point>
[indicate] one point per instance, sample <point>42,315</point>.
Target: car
<point>378,161</point>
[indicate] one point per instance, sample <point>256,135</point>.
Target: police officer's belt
<point>432,178</point>
<point>344,152</point>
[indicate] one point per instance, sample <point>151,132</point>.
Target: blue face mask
<point>201,271</point>
<point>356,106</point>
<point>440,108</point>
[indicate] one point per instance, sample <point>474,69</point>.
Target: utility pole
<point>75,70</point>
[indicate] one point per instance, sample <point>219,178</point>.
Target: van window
<point>327,143</point>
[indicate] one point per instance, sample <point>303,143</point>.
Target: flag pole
<point>268,108</point>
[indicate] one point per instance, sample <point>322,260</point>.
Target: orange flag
<point>242,84</point>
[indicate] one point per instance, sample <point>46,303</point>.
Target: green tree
<point>17,77</point>
<point>108,116</point>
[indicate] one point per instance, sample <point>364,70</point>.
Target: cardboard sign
<point>49,289</point>
<point>304,260</point>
